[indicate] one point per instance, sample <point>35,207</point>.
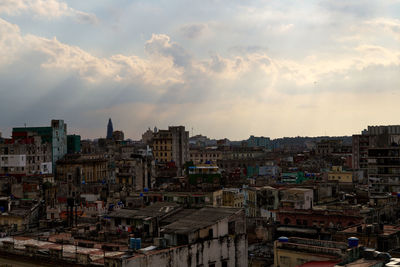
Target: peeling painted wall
<point>231,249</point>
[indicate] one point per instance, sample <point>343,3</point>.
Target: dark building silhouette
<point>110,129</point>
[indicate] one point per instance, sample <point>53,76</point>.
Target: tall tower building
<point>55,135</point>
<point>110,129</point>
<point>172,145</point>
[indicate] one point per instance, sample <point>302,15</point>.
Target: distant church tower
<point>109,129</point>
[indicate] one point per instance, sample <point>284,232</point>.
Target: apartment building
<point>172,145</point>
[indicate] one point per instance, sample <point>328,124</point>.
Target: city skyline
<point>224,68</point>
<point>191,132</point>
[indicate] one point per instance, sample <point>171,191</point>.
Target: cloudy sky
<point>226,68</point>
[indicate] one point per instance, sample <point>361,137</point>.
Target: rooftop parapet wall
<point>319,243</point>
<point>320,247</point>
<point>311,249</point>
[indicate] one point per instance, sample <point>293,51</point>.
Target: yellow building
<point>162,146</point>
<point>82,169</point>
<point>12,222</point>
<point>217,197</point>
<point>198,156</point>
<point>233,198</point>
<point>251,201</point>
<point>76,170</point>
<point>19,218</point>
<point>337,174</point>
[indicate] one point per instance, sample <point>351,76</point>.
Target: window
<point>231,228</point>
<point>182,239</point>
<point>210,233</point>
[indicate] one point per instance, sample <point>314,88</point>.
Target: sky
<point>222,68</point>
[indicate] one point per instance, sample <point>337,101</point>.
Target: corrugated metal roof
<point>199,219</point>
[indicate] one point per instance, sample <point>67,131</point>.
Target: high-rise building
<point>376,152</point>
<point>369,139</point>
<point>110,129</point>
<point>172,145</point>
<point>384,170</point>
<point>73,143</point>
<point>180,145</point>
<point>56,135</point>
<point>25,156</point>
<point>147,136</point>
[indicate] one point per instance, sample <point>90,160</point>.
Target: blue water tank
<point>135,243</point>
<point>353,242</point>
<point>283,239</point>
<point>132,243</point>
<point>138,243</point>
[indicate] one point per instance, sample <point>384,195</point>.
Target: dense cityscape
<point>212,133</point>
<point>171,199</point>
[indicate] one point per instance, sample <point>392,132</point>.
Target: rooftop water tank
<point>135,243</point>
<point>353,242</point>
<point>283,239</point>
